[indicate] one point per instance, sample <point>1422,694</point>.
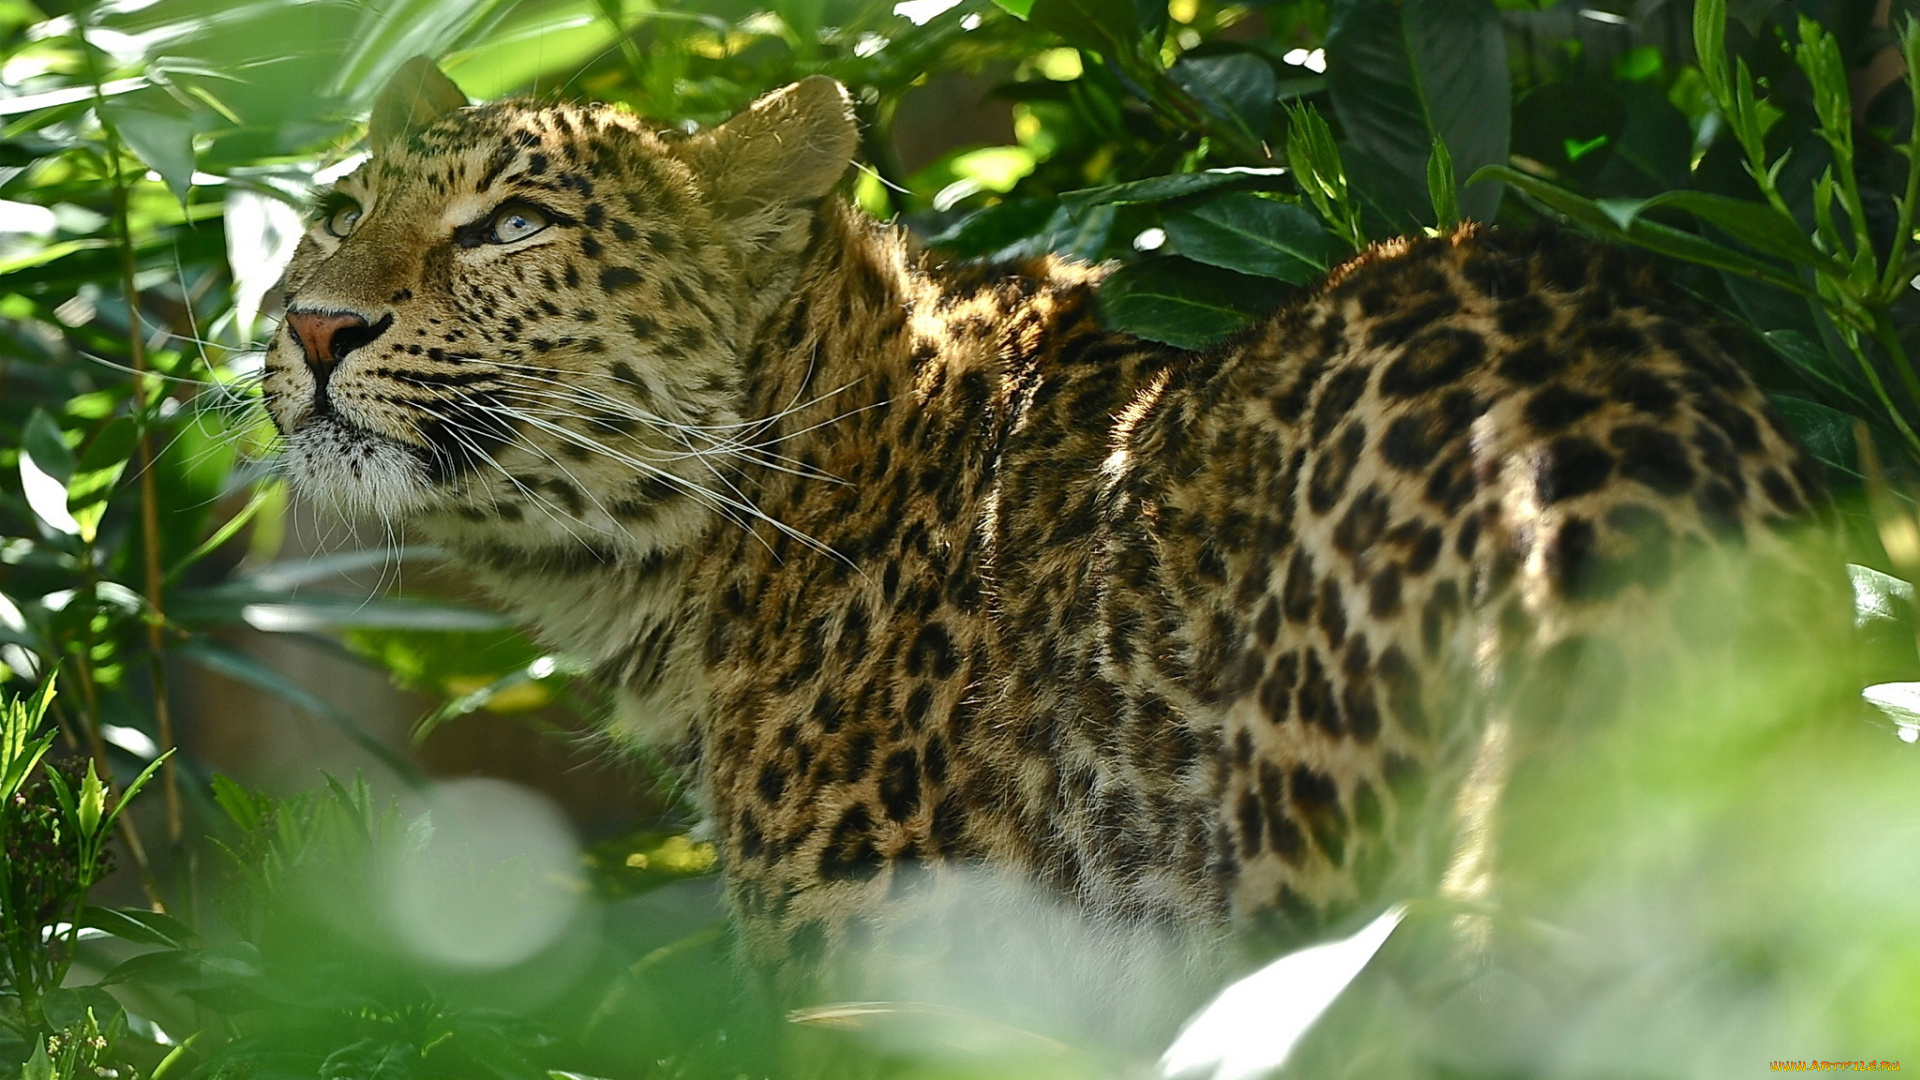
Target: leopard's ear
<point>791,146</point>
<point>417,95</point>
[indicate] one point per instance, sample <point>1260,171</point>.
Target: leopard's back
<point>1198,637</point>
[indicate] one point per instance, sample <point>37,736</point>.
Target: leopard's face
<point>526,317</point>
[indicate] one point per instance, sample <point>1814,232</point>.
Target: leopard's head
<point>530,317</point>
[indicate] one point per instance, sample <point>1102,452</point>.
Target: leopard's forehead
<point>565,151</point>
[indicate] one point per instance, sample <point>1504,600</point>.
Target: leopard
<point>912,563</point>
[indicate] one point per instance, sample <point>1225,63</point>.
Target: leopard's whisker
<point>546,506</point>
<point>776,462</point>
<point>745,505</point>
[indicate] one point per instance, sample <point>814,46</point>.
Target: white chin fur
<point>354,471</point>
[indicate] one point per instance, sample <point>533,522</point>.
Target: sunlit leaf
<point>96,473</point>
<point>46,464</point>
<point>92,802</point>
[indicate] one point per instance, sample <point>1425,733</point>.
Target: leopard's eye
<point>515,222</point>
<point>343,218</point>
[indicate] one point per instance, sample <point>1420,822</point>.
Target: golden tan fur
<point>919,565</point>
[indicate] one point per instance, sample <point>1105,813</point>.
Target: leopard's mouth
<point>336,462</point>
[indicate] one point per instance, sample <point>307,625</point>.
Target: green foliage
<point>154,160</point>
<point>54,822</point>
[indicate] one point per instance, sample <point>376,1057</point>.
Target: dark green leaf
<point>1109,27</point>
<point>1827,432</point>
<point>1402,73</point>
<point>995,227</point>
<point>1238,87</point>
<point>1179,185</point>
<point>1648,234</point>
<point>1183,303</point>
<point>1079,235</point>
<point>369,1059</point>
<point>46,464</point>
<point>1242,231</point>
<point>47,445</point>
<point>185,969</point>
<point>140,927</point>
<point>1811,360</point>
<point>67,1006</point>
<point>1757,225</point>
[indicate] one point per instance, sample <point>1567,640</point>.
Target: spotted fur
<point>917,564</point>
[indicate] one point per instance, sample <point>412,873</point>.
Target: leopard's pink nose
<point>326,337</point>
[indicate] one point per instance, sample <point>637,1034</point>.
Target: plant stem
<point>155,615</point>
<point>1893,280</point>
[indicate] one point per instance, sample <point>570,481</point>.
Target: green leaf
<point>1178,185</point>
<point>97,472</point>
<point>1109,27</point>
<point>1242,231</point>
<point>47,444</point>
<point>243,807</point>
<point>1878,596</point>
<point>994,227</point>
<point>1403,73</point>
<point>68,1008</point>
<point>1442,190</point>
<point>263,495</point>
<point>390,35</point>
<point>1019,9</point>
<point>39,1066</point>
<point>371,1059</point>
<point>164,142</point>
<point>93,803</point>
<point>20,751</point>
<point>1710,46</point>
<point>1321,174</point>
<point>278,612</point>
<point>1239,88</point>
<point>1081,236</point>
<point>1637,230</point>
<point>1827,433</point>
<point>133,788</point>
<point>1811,360</point>
<point>1183,303</point>
<point>138,926</point>
<point>1757,225</point>
<point>46,464</point>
